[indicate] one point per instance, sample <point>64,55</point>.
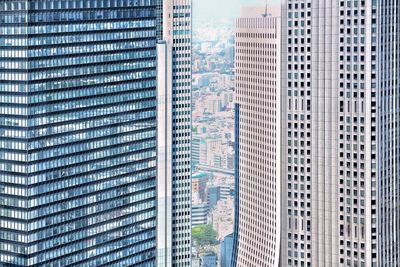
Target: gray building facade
<point>341,132</point>
<point>258,162</point>
<point>226,251</point>
<point>389,133</point>
<point>339,125</point>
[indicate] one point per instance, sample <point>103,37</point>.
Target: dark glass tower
<point>78,132</point>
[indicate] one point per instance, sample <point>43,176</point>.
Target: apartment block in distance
<point>78,132</point>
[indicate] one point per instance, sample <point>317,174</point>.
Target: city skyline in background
<point>212,144</point>
<point>214,12</point>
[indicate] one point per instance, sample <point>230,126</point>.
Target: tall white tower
<point>257,54</point>
<point>340,81</point>
<point>339,147</point>
<point>174,134</point>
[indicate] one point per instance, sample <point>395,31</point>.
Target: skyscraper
<point>226,251</point>
<point>78,133</point>
<point>174,134</point>
<point>388,120</point>
<point>341,90</point>
<point>339,137</point>
<point>258,80</point>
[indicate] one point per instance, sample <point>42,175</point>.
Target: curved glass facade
<point>78,132</point>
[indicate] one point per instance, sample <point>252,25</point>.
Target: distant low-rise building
<point>195,262</point>
<point>208,260</point>
<point>222,217</point>
<point>199,182</point>
<point>195,257</point>
<point>225,191</point>
<point>213,195</point>
<point>199,210</point>
<point>226,251</point>
<point>195,152</point>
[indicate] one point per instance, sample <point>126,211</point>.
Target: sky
<point>215,10</point>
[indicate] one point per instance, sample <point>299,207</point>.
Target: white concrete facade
<point>174,128</point>
<point>258,51</point>
<point>330,172</point>
<point>339,137</point>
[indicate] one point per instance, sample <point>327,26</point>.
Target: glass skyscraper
<point>78,132</point>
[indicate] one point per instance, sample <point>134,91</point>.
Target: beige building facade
<point>258,51</point>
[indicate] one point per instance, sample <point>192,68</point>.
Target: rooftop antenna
<point>266,9</point>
